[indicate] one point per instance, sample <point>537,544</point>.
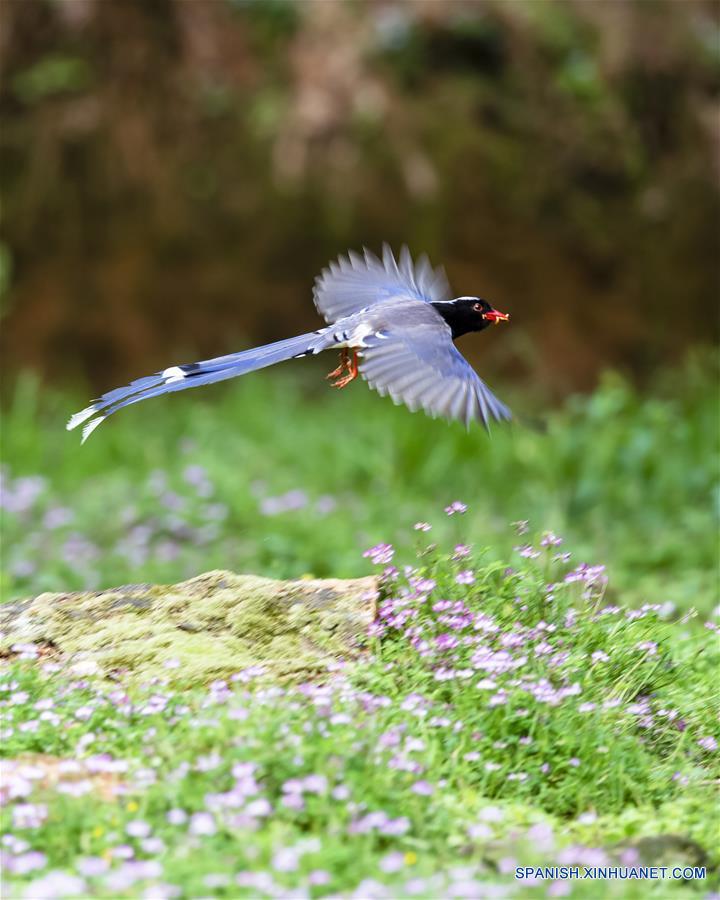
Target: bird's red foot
<point>345,365</point>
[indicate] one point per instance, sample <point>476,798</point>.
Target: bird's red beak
<point>493,315</point>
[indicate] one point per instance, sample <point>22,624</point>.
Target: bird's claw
<point>343,382</point>
<point>344,363</point>
<point>351,367</point>
<point>336,373</point>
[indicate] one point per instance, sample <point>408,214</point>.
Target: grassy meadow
<point>542,684</point>
<point>279,475</point>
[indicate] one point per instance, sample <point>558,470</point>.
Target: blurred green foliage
<point>50,76</point>
<point>166,167</point>
<point>279,476</point>
<point>271,22</point>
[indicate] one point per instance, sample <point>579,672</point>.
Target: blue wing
<point>356,282</point>
<point>421,367</point>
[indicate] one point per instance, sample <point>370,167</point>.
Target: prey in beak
<point>494,315</point>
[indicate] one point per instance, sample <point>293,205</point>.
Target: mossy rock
<point>212,626</point>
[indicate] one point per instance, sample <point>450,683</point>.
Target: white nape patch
<point>455,300</point>
<point>90,427</point>
<point>174,373</point>
<point>79,417</point>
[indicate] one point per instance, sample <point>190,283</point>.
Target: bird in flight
<point>394,322</point>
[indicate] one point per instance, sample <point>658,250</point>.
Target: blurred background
<point>176,172</point>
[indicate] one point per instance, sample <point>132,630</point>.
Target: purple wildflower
<point>202,823</point>
<point>286,859</point>
<point>260,807</point>
<point>293,801</point>
<point>315,784</point>
<point>56,884</point>
<point>423,788</point>
<point>395,827</point>
<point>138,828</point>
<point>29,815</point>
<point>289,502</point>
<point>591,575</point>
<point>480,831</point>
<point>57,517</point>
<point>423,585</point>
<point>177,817</point>
<point>153,845</point>
<point>393,862</point>
<point>27,862</point>
<point>541,836</point>
<point>380,554</point>
<point>527,551</point>
<point>92,866</point>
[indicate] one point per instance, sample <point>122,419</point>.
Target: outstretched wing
<point>355,282</point>
<point>422,368</point>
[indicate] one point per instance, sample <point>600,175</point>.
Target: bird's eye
<point>477,307</point>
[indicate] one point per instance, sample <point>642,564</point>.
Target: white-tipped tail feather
<point>208,371</point>
<point>79,417</point>
<point>90,427</point>
<point>174,373</point>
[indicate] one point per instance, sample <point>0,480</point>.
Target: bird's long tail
<point>208,371</point>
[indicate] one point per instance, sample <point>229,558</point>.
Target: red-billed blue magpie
<point>395,316</point>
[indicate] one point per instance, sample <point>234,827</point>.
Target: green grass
<point>553,729</point>
<point>515,710</point>
<point>629,477</point>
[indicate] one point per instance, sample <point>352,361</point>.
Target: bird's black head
<point>466,314</point>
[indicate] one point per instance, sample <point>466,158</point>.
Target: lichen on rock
<point>211,626</point>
